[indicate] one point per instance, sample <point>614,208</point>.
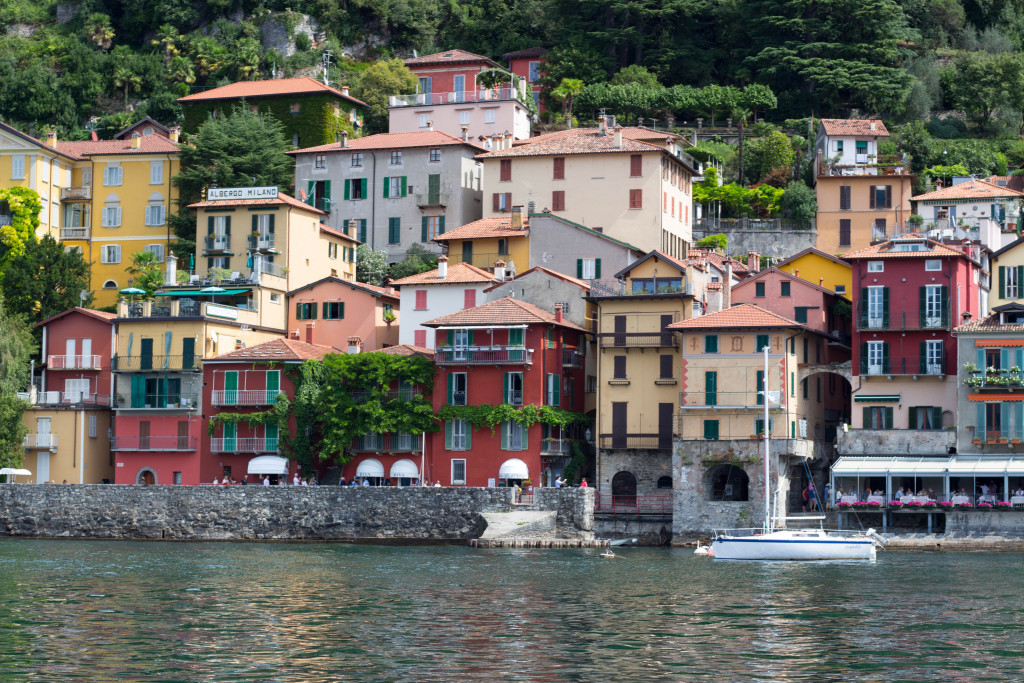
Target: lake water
<point>306,612</point>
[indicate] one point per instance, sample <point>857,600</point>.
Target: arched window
<point>727,482</point>
<point>665,482</point>
<point>624,489</point>
<point>109,284</point>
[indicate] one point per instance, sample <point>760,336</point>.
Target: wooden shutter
<point>665,424</point>
<point>922,304</point>
<point>885,306</point>
<point>559,170</point>
<point>1002,282</point>
<point>394,230</point>
<point>636,165</point>
<point>469,298</point>
<point>451,389</point>
<point>362,189</point>
<point>888,196</point>
<point>666,366</point>
<point>209,231</point>
<point>887,415</point>
<point>579,268</point>
<point>425,229</point>
<point>844,196</point>
<point>402,185</point>
<point>844,232</point>
<point>387,187</point>
<point>760,387</point>
<point>710,387</point>
<point>558,200</point>
<point>871,202</point>
<point>597,269</point>
<point>440,225</point>
<point>327,189</point>
<point>496,201</point>
<point>636,200</point>
<point>505,174</point>
<point>508,201</point>
<point>711,430</point>
<point>923,351</point>
<point>620,367</point>
<point>448,435</point>
<point>506,427</point>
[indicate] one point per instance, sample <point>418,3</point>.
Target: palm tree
<point>167,37</point>
<point>565,92</point>
<point>125,77</point>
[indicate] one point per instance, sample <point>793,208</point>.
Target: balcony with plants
<point>993,379</point>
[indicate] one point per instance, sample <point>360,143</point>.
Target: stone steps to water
<point>519,524</point>
<point>537,543</point>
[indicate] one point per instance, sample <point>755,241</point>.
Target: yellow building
<point>855,211</point>
<point>638,366</point>
<point>824,270</point>
<point>724,371</point>
<point>277,241</point>
<point>482,242</point>
<point>109,198</point>
<point>1007,276</point>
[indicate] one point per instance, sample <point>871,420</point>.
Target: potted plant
<point>895,504</point>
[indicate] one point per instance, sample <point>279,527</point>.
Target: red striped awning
<point>981,343</point>
<point>995,397</point>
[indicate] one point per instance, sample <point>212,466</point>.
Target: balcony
<point>895,441</point>
<point>432,199</point>
<point>156,401</point>
<point>515,397</point>
<point>92,362</point>
<point>483,260</point>
<point>555,447</point>
<point>634,340</point>
<point>245,397</point>
<point>76,193</point>
<point>483,355</point>
<point>218,244</point>
<point>66,399</point>
<point>261,243</point>
<point>267,268</point>
<point>155,363</point>
<point>33,441</point>
<point>244,314</point>
<point>395,443</point>
<point>906,320</point>
<point>322,203</point>
<point>457,97</point>
<point>244,445</point>
<point>74,234</point>
<point>153,443</point>
<point>907,365</point>
<point>636,441</point>
<point>572,358</point>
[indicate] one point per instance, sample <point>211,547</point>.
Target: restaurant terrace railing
<point>40,441</point>
<point>456,97</point>
<point>66,399</point>
<point>907,365</point>
<point>407,443</point>
<point>153,443</point>
<point>74,233</point>
<point>76,193</point>
<point>156,401</point>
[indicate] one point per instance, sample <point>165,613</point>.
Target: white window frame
<point>18,167</point>
<point>357,159</point>
<point>156,173</point>
<point>110,253</point>
<point>1011,288</point>
<point>933,305</point>
<point>156,215</point>
<point>841,290</point>
<point>394,187</point>
<point>111,217</point>
<point>517,439</point>
<point>933,356</point>
<point>876,266</point>
<point>424,118</point>
<point>460,344</point>
<point>275,298</point>
<point>113,176</point>
<point>396,157</point>
<point>933,264</point>
<point>464,118</point>
<point>589,268</point>
<point>458,466</point>
<point>875,308</point>
<point>157,249</point>
<point>875,356</point>
<point>459,431</point>
<point>55,173</point>
<point>320,162</point>
<point>434,155</point>
<point>92,426</point>
<point>488,115</point>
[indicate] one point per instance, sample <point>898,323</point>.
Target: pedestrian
<point>312,480</point>
<point>437,484</point>
<point>366,481</point>
<point>558,482</point>
<point>216,481</point>
<point>828,496</point>
<point>304,483</point>
<point>804,498</point>
<point>812,497</point>
<point>245,480</point>
<point>341,482</point>
<point>266,480</point>
<point>295,479</point>
<point>519,494</point>
<point>583,484</point>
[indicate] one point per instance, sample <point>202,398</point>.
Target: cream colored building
<point>632,184</point>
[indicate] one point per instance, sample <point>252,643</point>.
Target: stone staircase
<point>519,524</point>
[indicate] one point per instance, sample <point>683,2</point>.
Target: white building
<point>438,292</point>
<point>849,146</point>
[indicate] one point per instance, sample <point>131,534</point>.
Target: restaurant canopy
<point>925,466</point>
<point>199,292</point>
<point>370,467</point>
<point>405,469</point>
<point>268,464</point>
<point>513,468</point>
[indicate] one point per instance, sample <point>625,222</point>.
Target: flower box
<point>896,504</point>
<point>844,505</point>
<point>976,441</point>
<point>984,506</point>
<point>1003,505</point>
<point>945,505</point>
<point>963,506</point>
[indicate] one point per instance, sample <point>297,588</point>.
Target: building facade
<point>436,293</point>
<point>528,64</point>
<point>401,189</point>
<point>341,310</point>
<point>973,209</point>
<point>815,266</point>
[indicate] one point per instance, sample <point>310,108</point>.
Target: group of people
<point>559,483</point>
<point>228,480</point>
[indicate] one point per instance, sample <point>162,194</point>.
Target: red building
<point>529,64</point>
<point>451,71</point>
<point>248,380</point>
<point>77,347</point>
<point>394,457</point>
<point>504,352</point>
<point>908,295</point>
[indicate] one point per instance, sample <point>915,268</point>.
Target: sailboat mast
<point>767,442</point>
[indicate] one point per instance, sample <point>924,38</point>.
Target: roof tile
<point>148,144</point>
<point>582,284</point>
<point>885,249</point>
<point>505,311</point>
<point>579,141</point>
<point>424,138</point>
<point>279,350</point>
<point>271,88</point>
<point>854,127</point>
<point>408,350</point>
<point>448,57</point>
<point>493,226</point>
<point>458,273</point>
<point>972,189</point>
<point>739,316</point>
<point>281,200</point>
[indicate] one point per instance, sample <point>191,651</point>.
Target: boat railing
<point>753,531</point>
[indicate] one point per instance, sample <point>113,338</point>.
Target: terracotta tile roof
<point>271,88</point>
<point>458,273</point>
<point>148,144</point>
<point>140,123</point>
<point>407,350</point>
<point>537,51</point>
<point>582,284</point>
<point>671,260</point>
<point>364,286</point>
<point>28,138</point>
<point>278,350</point>
<point>1014,182</point>
<point>506,311</point>
<point>423,138</point>
<point>695,256</point>
<point>800,282</point>
<point>816,252</point>
<point>281,200</point>
<point>739,316</point>
<point>972,189</point>
<point>92,313</point>
<point>494,226</point>
<point>885,249</point>
<point>448,57</point>
<point>575,141</point>
<point>854,127</point>
<point>990,324</point>
<point>334,231</point>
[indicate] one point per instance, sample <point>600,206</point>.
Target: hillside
<point>66,62</point>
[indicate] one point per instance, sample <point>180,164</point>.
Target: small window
<point>759,289</point>
<point>109,284</point>
<point>488,116</point>
<point>396,157</point>
<point>876,266</point>
<point>435,155</point>
<point>305,311</point>
<point>619,371</point>
<point>424,120</point>
<point>463,118</point>
<point>458,472</point>
<point>933,264</point>
<point>92,426</point>
<point>275,298</point>
<point>357,159</point>
<point>841,290</point>
<point>636,199</point>
<point>334,310</point>
<point>784,289</point>
<point>177,478</point>
<point>710,343</point>
<point>320,161</point>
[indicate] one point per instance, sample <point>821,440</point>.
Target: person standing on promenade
<point>266,480</point>
<point>295,479</point>
<point>583,484</point>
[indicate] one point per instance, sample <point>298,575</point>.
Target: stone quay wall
<point>318,513</point>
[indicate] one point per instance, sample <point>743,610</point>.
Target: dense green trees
<point>375,83</point>
<point>45,280</point>
<point>16,346</point>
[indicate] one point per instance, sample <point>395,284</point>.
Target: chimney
<point>430,124</point>
<point>309,333</point>
<point>51,138</point>
<point>355,345</point>
<point>499,270</point>
<point>344,138</point>
<point>171,272</point>
<point>174,133</point>
<point>821,282</point>
<point>389,290</point>
<point>727,286</point>
<point>558,313</point>
<point>517,218</point>
<point>796,272</point>
<point>93,136</point>
<point>136,140</point>
<point>442,267</point>
<point>465,133</point>
<point>617,138</point>
<point>602,125</point>
<point>754,260</point>
<point>344,90</point>
<point>294,334</point>
<point>693,138</point>
<point>872,125</point>
<point>351,227</point>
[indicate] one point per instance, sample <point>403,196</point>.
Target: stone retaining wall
<point>273,513</point>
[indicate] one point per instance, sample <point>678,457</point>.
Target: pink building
<point>332,311</point>
<point>451,71</point>
<point>529,64</point>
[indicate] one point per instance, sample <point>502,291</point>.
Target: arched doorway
<point>146,477</point>
<point>624,489</point>
<point>727,483</point>
<point>664,482</point>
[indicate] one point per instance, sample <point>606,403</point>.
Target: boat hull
<point>785,547</point>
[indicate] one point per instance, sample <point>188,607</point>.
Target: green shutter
<point>981,360</point>
<point>1004,359</point>
<point>273,385</point>
<point>327,189</point>
<point>402,182</point>
<point>885,358</point>
<point>271,228</point>
<point>448,434</point>
<point>711,388</point>
<point>923,351</point>
<point>505,389</point>
<point>312,190</point>
<point>866,418</point>
<point>1004,420</point>
<point>394,230</point>
<point>506,427</point>
<point>362,189</point>
<point>944,301</point>
<point>579,267</point>
<point>558,391</point>
<point>425,229</point>
<point>387,187</point>
<point>887,412</point>
<point>138,391</point>
<point>922,298</point>
<point>792,384</point>
<point>762,341</point>
<point>1002,282</point>
<point>469,436</point>
<point>348,189</point>
<point>1020,281</point>
<point>451,337</point>
<point>209,227</point>
<point>885,306</point>
<point>341,310</point>
<point>298,311</point>
<point>1018,418</point>
<point>936,412</point>
<point>440,225</point>
<point>863,358</point>
<point>760,387</point>
<point>597,269</point>
<point>451,389</point>
<point>255,224</point>
<point>270,437</point>
<point>362,230</point>
<point>979,432</point>
<point>711,430</point>
<point>862,306</point>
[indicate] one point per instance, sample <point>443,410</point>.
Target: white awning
<point>513,468</point>
<point>268,464</point>
<point>965,466</point>
<point>847,466</point>
<point>370,467</point>
<point>405,469</point>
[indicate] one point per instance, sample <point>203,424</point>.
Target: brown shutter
<point>497,201</point>
<point>506,170</point>
<point>559,171</point>
<point>636,165</point>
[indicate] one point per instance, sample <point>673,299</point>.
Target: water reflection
<point>282,612</point>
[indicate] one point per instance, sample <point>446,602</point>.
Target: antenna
<point>326,64</point>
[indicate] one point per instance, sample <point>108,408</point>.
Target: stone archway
<point>844,370</point>
<point>146,476</point>
<point>727,482</point>
<point>624,489</point>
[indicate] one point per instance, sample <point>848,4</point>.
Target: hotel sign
<point>217,193</point>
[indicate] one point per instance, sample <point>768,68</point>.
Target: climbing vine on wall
<point>277,415</point>
<point>489,416</point>
<point>24,207</point>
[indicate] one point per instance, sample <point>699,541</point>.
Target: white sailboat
<point>768,543</point>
